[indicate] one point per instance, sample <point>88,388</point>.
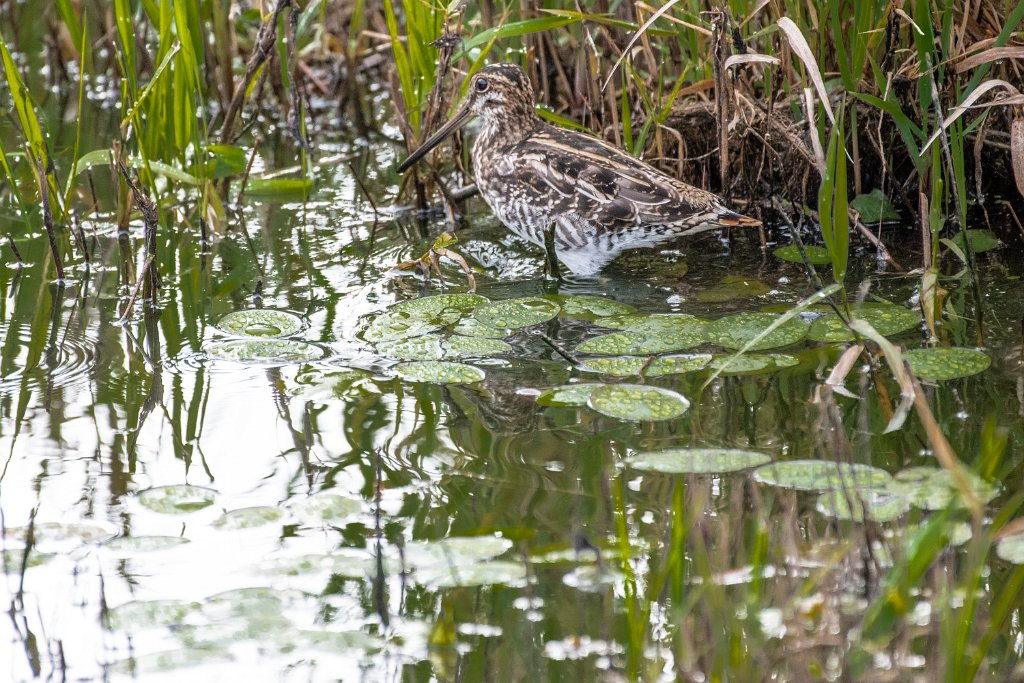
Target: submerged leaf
<point>816,256</point>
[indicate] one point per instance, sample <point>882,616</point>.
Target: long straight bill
<point>453,124</point>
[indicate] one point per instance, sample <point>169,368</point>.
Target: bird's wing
<point>576,174</point>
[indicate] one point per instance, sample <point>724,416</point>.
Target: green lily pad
<point>640,343</point>
<point>269,351</point>
<point>666,324</point>
<point>454,550</point>
<point>260,322</point>
<point>752,363</point>
<point>628,366</point>
<point>247,518</point>
<point>436,347</point>
<point>63,534</point>
<point>816,256</point>
<point>515,313</point>
<point>495,572</point>
<point>879,505</point>
<point>439,372</point>
<point>177,500</point>
<point>582,307</point>
<point>325,507</point>
<point>821,475</point>
<point>638,403</point>
<point>697,460</point>
<point>887,319</point>
<point>471,327</point>
<point>140,614</point>
<point>567,395</point>
<point>933,488</point>
<point>735,331</point>
<point>946,363</point>
<point>11,560</point>
<point>127,546</point>
<point>981,240</point>
<point>412,318</point>
<point>1011,548</point>
<point>874,207</point>
<point>732,287</point>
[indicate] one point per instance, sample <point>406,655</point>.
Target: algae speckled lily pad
<point>641,343</point>
<point>439,372</point>
<point>567,395</point>
<point>933,488</point>
<point>248,518</point>
<point>697,460</point>
<point>658,324</point>
<point>418,316</point>
<point>178,499</point>
<point>887,319</point>
<point>947,363</point>
<point>583,307</point>
<point>470,327</point>
<point>638,403</point>
<point>879,505</point>
<point>516,313</point>
<point>816,256</point>
<point>752,363</point>
<point>627,366</point>
<point>735,331</point>
<point>140,614</point>
<point>436,347</point>
<point>265,351</point>
<point>130,546</point>
<point>821,475</point>
<point>260,322</point>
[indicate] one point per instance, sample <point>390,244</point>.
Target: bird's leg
<point>551,268</point>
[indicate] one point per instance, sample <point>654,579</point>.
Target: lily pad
<point>879,505</point>
<point>666,324</point>
<point>887,319</point>
<point>638,403</point>
<point>247,518</point>
<point>946,363</point>
<point>480,574</point>
<point>732,287</point>
<point>127,546</point>
<point>457,550</point>
<point>640,343</point>
<point>821,475</point>
<point>515,313</point>
<point>753,363</point>
<point>874,207</point>
<point>139,614</point>
<point>12,559</point>
<point>567,395</point>
<point>697,460</point>
<point>269,351</point>
<point>260,322</point>
<point>582,307</point>
<point>933,488</point>
<point>628,366</point>
<point>439,372</point>
<point>419,316</point>
<point>471,327</point>
<point>177,500</point>
<point>325,507</point>
<point>735,331</point>
<point>816,256</point>
<point>436,347</point>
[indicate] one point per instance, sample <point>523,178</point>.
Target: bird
<point>590,199</point>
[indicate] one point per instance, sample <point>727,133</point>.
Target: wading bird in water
<point>590,199</point>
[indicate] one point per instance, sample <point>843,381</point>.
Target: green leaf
<point>874,207</point>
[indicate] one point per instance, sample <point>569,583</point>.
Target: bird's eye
<point>482,85</point>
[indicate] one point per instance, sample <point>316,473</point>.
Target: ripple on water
<point>66,361</point>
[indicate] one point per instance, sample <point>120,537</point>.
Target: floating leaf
<point>581,307</point>
<point>732,287</point>
<point>61,535</point>
<point>439,372</point>
<point>887,319</point>
<point>627,366</point>
<point>437,347</point>
<point>260,322</point>
<point>697,460</point>
<point>637,403</point>
<point>734,331</point>
<point>139,614</point>
<point>470,327</point>
<point>655,324</point>
<point>419,316</point>
<point>11,560</point>
<point>879,505</point>
<point>933,488</point>
<point>980,240</point>
<point>269,351</point>
<point>457,550</point>
<point>247,518</point>
<point>325,507</point>
<point>280,189</point>
<point>752,363</point>
<point>515,313</point>
<point>821,475</point>
<point>874,207</point>
<point>568,395</point>
<point>176,500</point>
<point>642,343</point>
<point>127,546</point>
<point>946,363</point>
<point>816,256</point>
<point>480,574</point>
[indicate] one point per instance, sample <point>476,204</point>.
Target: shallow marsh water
<point>329,521</point>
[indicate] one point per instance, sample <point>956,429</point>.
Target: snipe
<point>596,198</point>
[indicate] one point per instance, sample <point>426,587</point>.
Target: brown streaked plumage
<point>598,198</point>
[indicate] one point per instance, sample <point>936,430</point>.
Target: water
<point>351,560</point>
